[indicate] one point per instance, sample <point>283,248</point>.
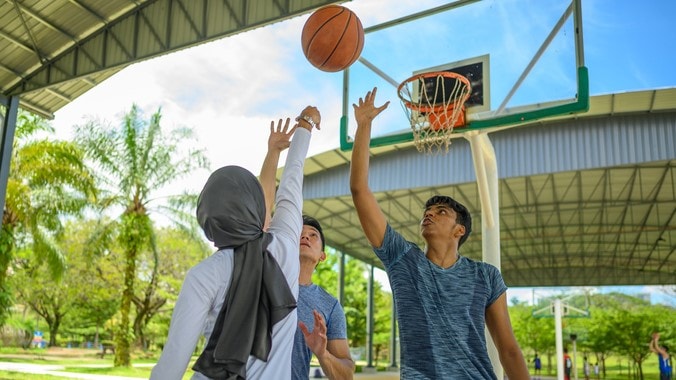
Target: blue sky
<point>229,90</point>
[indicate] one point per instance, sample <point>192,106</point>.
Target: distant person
<point>663,357</point>
<point>242,298</point>
<point>596,369</point>
<point>537,364</point>
<point>322,328</point>
<point>444,300</point>
<point>567,364</point>
<point>585,368</point>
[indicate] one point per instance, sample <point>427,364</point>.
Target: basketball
<point>332,38</point>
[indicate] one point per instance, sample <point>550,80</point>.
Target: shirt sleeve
<point>393,248</point>
<point>337,326</point>
<point>191,307</point>
<point>287,222</point>
<point>496,283</point>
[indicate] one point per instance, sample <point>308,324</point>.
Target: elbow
<point>354,188</point>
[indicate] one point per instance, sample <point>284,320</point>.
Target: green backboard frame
<point>579,104</point>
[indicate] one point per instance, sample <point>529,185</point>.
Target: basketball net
<point>434,102</point>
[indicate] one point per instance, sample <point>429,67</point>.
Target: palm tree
<point>47,180</point>
<point>132,163</point>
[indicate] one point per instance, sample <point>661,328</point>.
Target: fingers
<point>303,328</point>
<point>320,326</point>
<point>280,128</point>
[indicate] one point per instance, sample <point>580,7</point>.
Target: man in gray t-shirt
<point>443,300</point>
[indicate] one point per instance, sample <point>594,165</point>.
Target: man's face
<point>439,220</point>
<point>311,244</point>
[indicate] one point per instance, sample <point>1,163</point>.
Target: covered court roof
<point>55,51</point>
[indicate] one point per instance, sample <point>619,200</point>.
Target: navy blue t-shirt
<point>441,312</point>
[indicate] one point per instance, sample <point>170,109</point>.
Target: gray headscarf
<point>231,211</point>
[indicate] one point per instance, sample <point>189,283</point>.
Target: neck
<point>306,270</point>
<point>444,256</point>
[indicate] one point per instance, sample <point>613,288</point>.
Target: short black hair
<point>462,214</point>
<point>312,222</point>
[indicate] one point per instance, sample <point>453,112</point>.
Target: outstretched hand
<point>280,137</point>
<point>366,110</point>
<point>315,340</point>
<point>314,115</point>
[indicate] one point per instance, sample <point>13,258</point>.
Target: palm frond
<point>46,250</point>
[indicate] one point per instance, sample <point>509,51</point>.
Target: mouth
<point>426,222</point>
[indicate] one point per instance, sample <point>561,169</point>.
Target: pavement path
<point>58,370</point>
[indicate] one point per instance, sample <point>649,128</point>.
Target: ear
<point>459,231</point>
<point>323,256</point>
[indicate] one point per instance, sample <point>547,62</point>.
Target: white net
<point>434,103</point>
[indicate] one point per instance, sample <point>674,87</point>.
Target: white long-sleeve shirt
<point>207,283</point>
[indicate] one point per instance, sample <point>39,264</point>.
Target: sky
<point>228,91</point>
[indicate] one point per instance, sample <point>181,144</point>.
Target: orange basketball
<point>332,38</point>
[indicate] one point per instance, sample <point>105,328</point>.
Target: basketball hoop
<point>435,104</point>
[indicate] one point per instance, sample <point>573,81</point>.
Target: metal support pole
<point>369,321</point>
<point>341,278</point>
<point>559,339</point>
<point>573,338</point>
<point>486,169</point>
<point>393,338</point>
<point>7,139</point>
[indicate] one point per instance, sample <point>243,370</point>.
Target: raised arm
<point>287,222</point>
<point>371,217</point>
<point>656,348</point>
<point>278,140</point>
<point>652,343</point>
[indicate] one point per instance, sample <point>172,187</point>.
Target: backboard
<point>524,59</point>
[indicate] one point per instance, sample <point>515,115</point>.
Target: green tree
<point>534,332</point>
<point>47,180</point>
<point>133,163</point>
<point>64,303</point>
<point>178,251</point>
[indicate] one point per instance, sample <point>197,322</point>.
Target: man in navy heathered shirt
<point>444,300</point>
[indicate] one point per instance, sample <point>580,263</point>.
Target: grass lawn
<point>87,361</point>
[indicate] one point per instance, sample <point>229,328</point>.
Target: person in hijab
<point>243,297</point>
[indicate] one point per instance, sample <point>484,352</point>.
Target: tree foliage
<point>133,163</point>
<point>47,180</point>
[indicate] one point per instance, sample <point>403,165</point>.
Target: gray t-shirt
<point>313,297</point>
<point>441,312</point>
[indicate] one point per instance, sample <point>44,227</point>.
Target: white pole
<point>486,170</point>
<point>575,358</point>
<point>559,339</point>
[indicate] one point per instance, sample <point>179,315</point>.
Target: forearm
<point>268,178</point>
<point>360,159</point>
<point>287,221</point>
<point>515,365</point>
<point>336,368</point>
<point>370,215</point>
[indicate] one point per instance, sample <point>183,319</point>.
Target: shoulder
<point>213,269</point>
<point>318,294</point>
<point>394,241</point>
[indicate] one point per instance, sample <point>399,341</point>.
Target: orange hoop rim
<point>408,103</point>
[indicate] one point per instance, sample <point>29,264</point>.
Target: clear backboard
<point>523,58</point>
